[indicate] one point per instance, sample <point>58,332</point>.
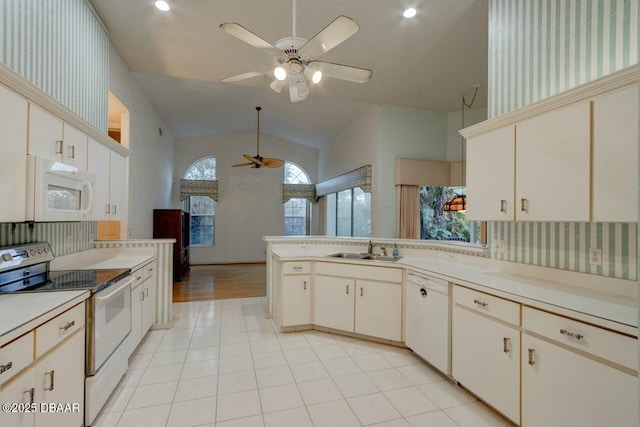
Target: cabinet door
<point>553,165</point>
<point>74,150</point>
<point>118,186</point>
<point>563,388</point>
<point>60,379</point>
<point>615,156</point>
<point>45,134</point>
<point>491,175</point>
<point>333,302</point>
<point>136,334</point>
<point>98,163</point>
<point>296,300</point>
<point>13,161</point>
<point>149,301</point>
<point>486,360</point>
<point>21,390</point>
<point>379,310</point>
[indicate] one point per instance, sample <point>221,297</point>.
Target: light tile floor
<point>223,364</point>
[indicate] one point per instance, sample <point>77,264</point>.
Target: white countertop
<point>525,289</point>
<point>132,258</point>
<point>21,312</point>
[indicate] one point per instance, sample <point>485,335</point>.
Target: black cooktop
<point>65,280</point>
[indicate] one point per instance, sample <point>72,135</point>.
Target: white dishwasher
<point>427,319</point>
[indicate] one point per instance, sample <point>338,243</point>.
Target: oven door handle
<point>108,296</point>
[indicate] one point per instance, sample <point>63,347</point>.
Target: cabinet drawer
<point>599,342</point>
<point>142,274</point>
<point>296,268</point>
<point>15,356</point>
<point>59,328</point>
<point>507,311</point>
<point>367,272</point>
<point>429,282</point>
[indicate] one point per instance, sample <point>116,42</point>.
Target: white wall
<point>471,117</point>
<point>151,158</point>
<point>249,200</point>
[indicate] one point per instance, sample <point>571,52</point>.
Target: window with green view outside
<point>202,208</point>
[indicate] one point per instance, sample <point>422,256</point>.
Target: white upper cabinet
<point>490,175</point>
<point>98,163</point>
<point>74,147</point>
<point>45,134</point>
<point>117,186</point>
<point>553,165</point>
<point>51,138</point>
<point>13,161</point>
<point>615,156</point>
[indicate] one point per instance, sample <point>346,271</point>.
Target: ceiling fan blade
<point>241,33</point>
<point>271,162</point>
<point>342,72</point>
<point>237,165</point>
<point>331,36</point>
<point>248,157</point>
<point>249,75</point>
<point>277,85</point>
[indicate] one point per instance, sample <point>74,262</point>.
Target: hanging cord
<point>464,104</point>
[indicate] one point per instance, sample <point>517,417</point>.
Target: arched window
<point>202,208</point>
<point>297,212</point>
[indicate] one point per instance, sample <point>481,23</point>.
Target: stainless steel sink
<point>366,257</point>
<point>350,255</point>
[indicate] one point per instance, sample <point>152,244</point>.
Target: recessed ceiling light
<point>164,6</point>
<point>409,13</point>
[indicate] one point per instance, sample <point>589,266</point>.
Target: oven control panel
<point>24,255</point>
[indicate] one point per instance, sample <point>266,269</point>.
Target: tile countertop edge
<point>30,312</point>
<point>608,311</point>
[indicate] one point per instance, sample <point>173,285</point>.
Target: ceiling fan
<point>258,161</point>
<point>297,56</point>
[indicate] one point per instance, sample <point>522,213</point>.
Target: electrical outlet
<point>595,256</point>
<point>452,257</point>
<point>499,246</point>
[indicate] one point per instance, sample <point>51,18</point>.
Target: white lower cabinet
<point>486,350</point>
<point>333,304</point>
<point>142,304</point>
<point>56,378</point>
<point>565,387</point>
<point>379,309</point>
<point>296,300</point>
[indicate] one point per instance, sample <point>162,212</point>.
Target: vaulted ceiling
<point>179,57</point>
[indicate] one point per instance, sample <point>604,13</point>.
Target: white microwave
<point>57,191</point>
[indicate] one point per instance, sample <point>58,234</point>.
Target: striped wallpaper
<point>538,48</point>
<point>164,275</point>
<point>79,235</point>
<point>62,47</point>
<point>566,245</point>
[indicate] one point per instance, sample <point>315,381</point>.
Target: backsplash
<point>566,245</point>
<point>62,47</point>
<point>64,237</point>
<point>540,48</point>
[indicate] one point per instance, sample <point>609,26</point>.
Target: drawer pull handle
<point>72,154</point>
<point>52,376</point>
<point>423,292</point>
<point>141,295</point>
<point>31,392</point>
<point>506,345</point>
<point>115,209</point>
<point>305,285</point>
<point>107,209</point>
<point>524,205</point>
<point>59,146</point>
<point>139,277</point>
<point>480,303</point>
<point>531,361</point>
<point>503,206</point>
<point>571,334</point>
<point>297,268</point>
<point>5,368</point>
<point>146,292</point>
<point>150,270</point>
<point>68,325</point>
<point>347,287</point>
<point>361,291</point>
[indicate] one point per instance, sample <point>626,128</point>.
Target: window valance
<point>196,187</point>
<point>299,191</point>
<point>360,177</point>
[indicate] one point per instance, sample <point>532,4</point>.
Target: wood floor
<point>208,282</point>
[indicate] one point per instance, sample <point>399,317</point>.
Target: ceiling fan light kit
<point>257,161</point>
<point>297,56</point>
